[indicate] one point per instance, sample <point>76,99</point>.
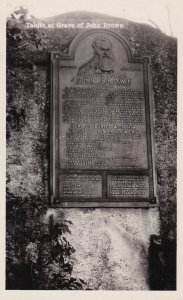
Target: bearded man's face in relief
<point>103,49</point>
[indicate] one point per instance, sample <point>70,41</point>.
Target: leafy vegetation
<point>19,37</point>
<point>39,255</point>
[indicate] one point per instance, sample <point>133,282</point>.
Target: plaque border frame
<point>55,201</point>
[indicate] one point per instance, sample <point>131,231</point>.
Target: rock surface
<point>111,244</point>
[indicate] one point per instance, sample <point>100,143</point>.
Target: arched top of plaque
<point>106,34</point>
<point>100,46</point>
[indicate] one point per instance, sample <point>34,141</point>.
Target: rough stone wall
<point>112,245</point>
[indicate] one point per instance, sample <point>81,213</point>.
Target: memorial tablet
<point>101,130</point>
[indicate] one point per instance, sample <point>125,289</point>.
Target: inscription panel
<point>128,187</point>
<point>103,128</point>
<point>101,125</point>
<point>81,186</point>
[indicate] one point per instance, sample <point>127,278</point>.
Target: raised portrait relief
<point>102,62</point>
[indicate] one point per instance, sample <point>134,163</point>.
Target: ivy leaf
<point>65,229</point>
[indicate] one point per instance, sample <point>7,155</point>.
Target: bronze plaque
<point>101,131</point>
